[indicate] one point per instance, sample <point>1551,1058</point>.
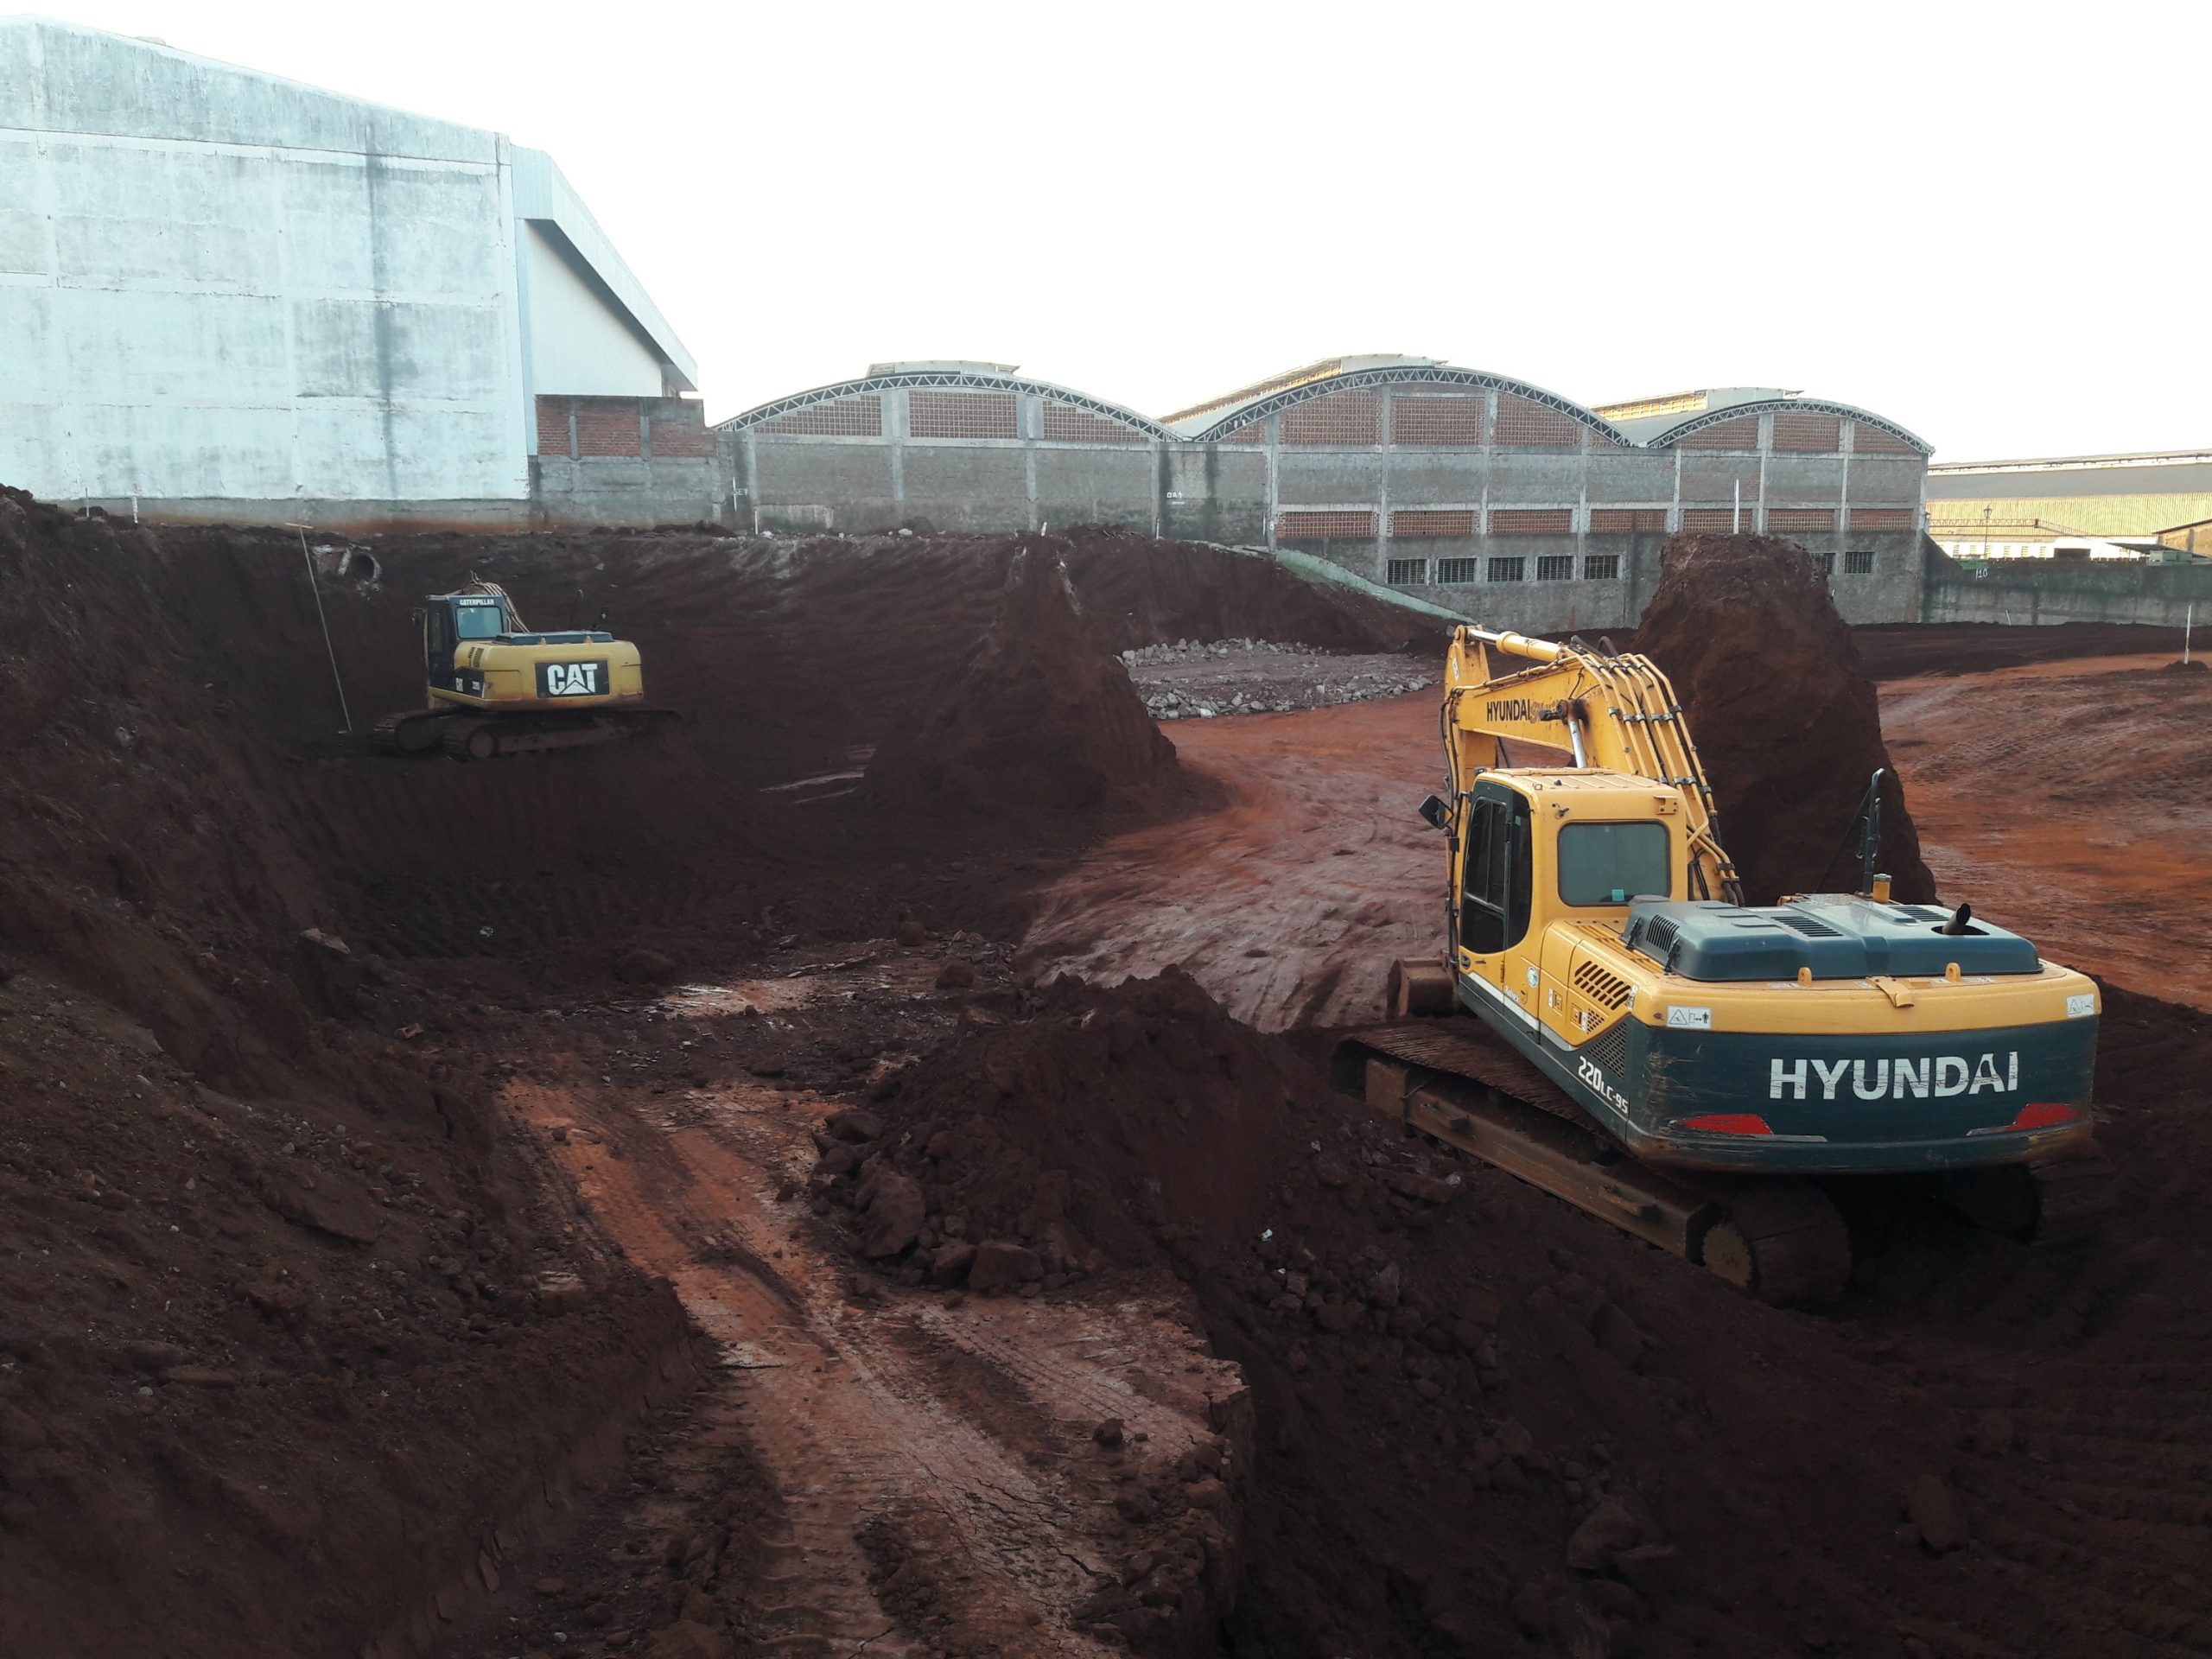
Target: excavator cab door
<point>1495,877</point>
<point>438,643</point>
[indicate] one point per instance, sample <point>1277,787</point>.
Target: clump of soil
<point>1074,1130</point>
<point>1784,713</point>
<point>1040,721</point>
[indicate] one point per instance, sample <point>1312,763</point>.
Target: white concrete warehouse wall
<point>218,285</point>
<point>578,346</point>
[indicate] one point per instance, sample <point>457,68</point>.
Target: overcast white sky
<point>1987,222</point>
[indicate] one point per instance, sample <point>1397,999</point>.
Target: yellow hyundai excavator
<point>495,688</point>
<point>1679,1063</point>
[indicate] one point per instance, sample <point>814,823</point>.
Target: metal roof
<point>544,196</point>
<point>1645,418</point>
<point>884,377</point>
<point>2181,473</point>
<point>1787,403</point>
<point>1207,421</point>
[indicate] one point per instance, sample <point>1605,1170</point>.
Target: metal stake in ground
<point>315,587</point>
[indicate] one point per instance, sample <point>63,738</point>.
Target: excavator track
<point>2050,1201</point>
<point>1778,1241</point>
<point>466,736</point>
<point>1781,1242</point>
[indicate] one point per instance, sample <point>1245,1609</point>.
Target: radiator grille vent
<point>1610,1051</point>
<point>1606,989</point>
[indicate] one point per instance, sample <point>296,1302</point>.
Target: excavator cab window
<point>481,621</point>
<point>1613,863</point>
<point>1495,875</point>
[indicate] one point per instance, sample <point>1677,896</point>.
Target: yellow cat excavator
<point>495,688</point>
<point>1686,1066</point>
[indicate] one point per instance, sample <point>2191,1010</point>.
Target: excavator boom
<point>1612,714</point>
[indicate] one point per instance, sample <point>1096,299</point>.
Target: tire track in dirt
<point>851,1407</point>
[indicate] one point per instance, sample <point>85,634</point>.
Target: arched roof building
<point>1406,470</point>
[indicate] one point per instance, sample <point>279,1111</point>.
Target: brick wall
<point>1626,521</point>
<point>1783,521</point>
<point>1067,423</point>
<point>840,417</point>
<point>1810,434</point>
<point>1354,417</point>
<point>1433,521</point>
<point>610,426</point>
<point>1522,425</point>
<point>1437,420</point>
<point>1741,434</point>
<point>677,426</point>
<point>553,437</point>
<point>1873,441</point>
<point>1325,526</point>
<point>1532,521</point>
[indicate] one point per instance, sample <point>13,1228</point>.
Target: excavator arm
<point>1617,713</point>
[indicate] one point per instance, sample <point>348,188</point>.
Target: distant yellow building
<point>2027,503</point>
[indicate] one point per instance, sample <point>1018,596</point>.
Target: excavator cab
<point>445,622</point>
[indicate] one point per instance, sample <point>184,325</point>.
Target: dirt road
<point>1284,904</point>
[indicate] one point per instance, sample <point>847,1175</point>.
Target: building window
<point>1509,569</point>
<point>1433,521</point>
<point>1602,566</point>
<point>1823,563</point>
<point>1455,571</point>
<point>1406,573</point>
<point>1858,561</point>
<point>1555,568</point>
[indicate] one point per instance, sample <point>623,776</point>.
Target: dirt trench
<point>520,1300</point>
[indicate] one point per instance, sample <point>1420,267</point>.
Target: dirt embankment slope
<point>281,1356</point>
<point>299,1342</point>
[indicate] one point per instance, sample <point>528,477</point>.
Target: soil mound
<point>1486,1422</point>
<point>1040,721</point>
<point>1784,713</point>
<point>1074,1129</point>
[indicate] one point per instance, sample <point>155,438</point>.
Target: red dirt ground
<point>2100,766</point>
<point>331,1321</point>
